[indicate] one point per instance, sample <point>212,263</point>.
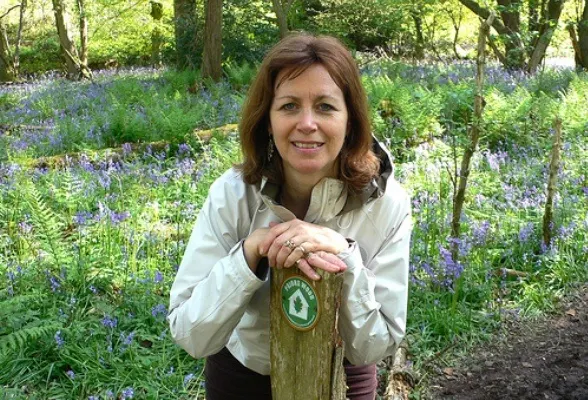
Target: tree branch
<point>496,50</point>
<point>484,13</point>
<point>10,9</point>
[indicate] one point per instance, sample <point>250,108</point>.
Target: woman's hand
<point>305,244</point>
<point>251,247</point>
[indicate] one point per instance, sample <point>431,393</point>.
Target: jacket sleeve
<point>214,283</point>
<point>373,317</point>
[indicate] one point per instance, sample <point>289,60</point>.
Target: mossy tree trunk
<point>75,68</point>
<point>156,34</point>
<point>281,9</point>
<point>212,55</point>
<point>582,57</point>
<point>83,32</point>
<point>185,33</point>
<point>7,72</point>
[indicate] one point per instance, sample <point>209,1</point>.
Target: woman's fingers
<point>326,261</point>
<point>307,269</point>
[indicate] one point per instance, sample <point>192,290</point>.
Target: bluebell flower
<point>93,397</point>
<point>54,282</point>
<point>109,322</point>
<point>127,148</point>
<point>187,379</point>
<point>59,340</point>
<point>127,393</point>
<point>117,218</point>
<point>70,374</point>
<point>526,232</point>
<point>109,394</point>
<point>159,310</point>
<point>158,277</point>
<point>128,339</point>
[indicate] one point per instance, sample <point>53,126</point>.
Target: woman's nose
<point>307,122</point>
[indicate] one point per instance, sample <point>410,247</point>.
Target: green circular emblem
<point>299,303</point>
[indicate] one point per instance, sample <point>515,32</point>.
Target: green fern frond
<point>67,190</point>
<point>16,340</point>
<point>48,226</point>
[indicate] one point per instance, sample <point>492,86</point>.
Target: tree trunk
<point>548,27</point>
<point>282,10</point>
<point>185,32</point>
<point>583,37</point>
<point>72,61</point>
<point>419,52</point>
<point>475,131</point>
<point>156,35</point>
<point>511,17</point>
<point>534,16</point>
<point>23,7</point>
<point>212,56</point>
<point>7,73</point>
<point>552,183</point>
<point>83,33</point>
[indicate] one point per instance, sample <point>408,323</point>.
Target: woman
<point>314,191</point>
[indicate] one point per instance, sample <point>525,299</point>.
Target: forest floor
<point>545,359</point>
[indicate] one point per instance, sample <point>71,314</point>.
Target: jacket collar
<point>330,197</point>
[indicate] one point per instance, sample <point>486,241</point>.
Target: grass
<point>89,247</point>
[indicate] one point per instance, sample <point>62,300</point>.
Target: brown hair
<point>358,164</point>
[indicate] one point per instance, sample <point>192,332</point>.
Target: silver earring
<point>270,148</point>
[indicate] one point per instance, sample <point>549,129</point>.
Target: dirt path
<point>541,360</point>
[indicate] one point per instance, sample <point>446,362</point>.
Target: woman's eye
<point>289,107</point>
<point>326,107</point>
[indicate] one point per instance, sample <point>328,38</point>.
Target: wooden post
<point>305,346</point>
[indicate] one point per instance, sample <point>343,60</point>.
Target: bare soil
<point>545,359</point>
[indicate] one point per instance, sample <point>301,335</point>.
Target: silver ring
<point>289,244</point>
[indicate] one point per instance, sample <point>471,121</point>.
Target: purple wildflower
<point>117,218</point>
<point>187,379</point>
<point>104,180</point>
<point>25,227</point>
<point>480,232</point>
<point>109,394</point>
<point>128,339</point>
<point>526,232</point>
<point>59,340</point>
<point>54,282</point>
<point>127,393</point>
<point>158,277</point>
<point>82,217</point>
<point>70,374</point>
<point>109,322</point>
<point>183,150</point>
<point>127,148</point>
<point>93,289</point>
<point>93,398</point>
<point>159,310</point>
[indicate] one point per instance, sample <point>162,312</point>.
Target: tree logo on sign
<point>299,303</point>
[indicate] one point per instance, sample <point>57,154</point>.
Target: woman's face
<point>309,121</point>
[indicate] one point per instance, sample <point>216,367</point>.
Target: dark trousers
<point>228,379</point>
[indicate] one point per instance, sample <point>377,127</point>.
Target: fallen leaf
<point>448,371</point>
<point>527,365</point>
<point>571,312</point>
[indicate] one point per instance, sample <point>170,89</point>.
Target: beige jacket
<point>217,301</point>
